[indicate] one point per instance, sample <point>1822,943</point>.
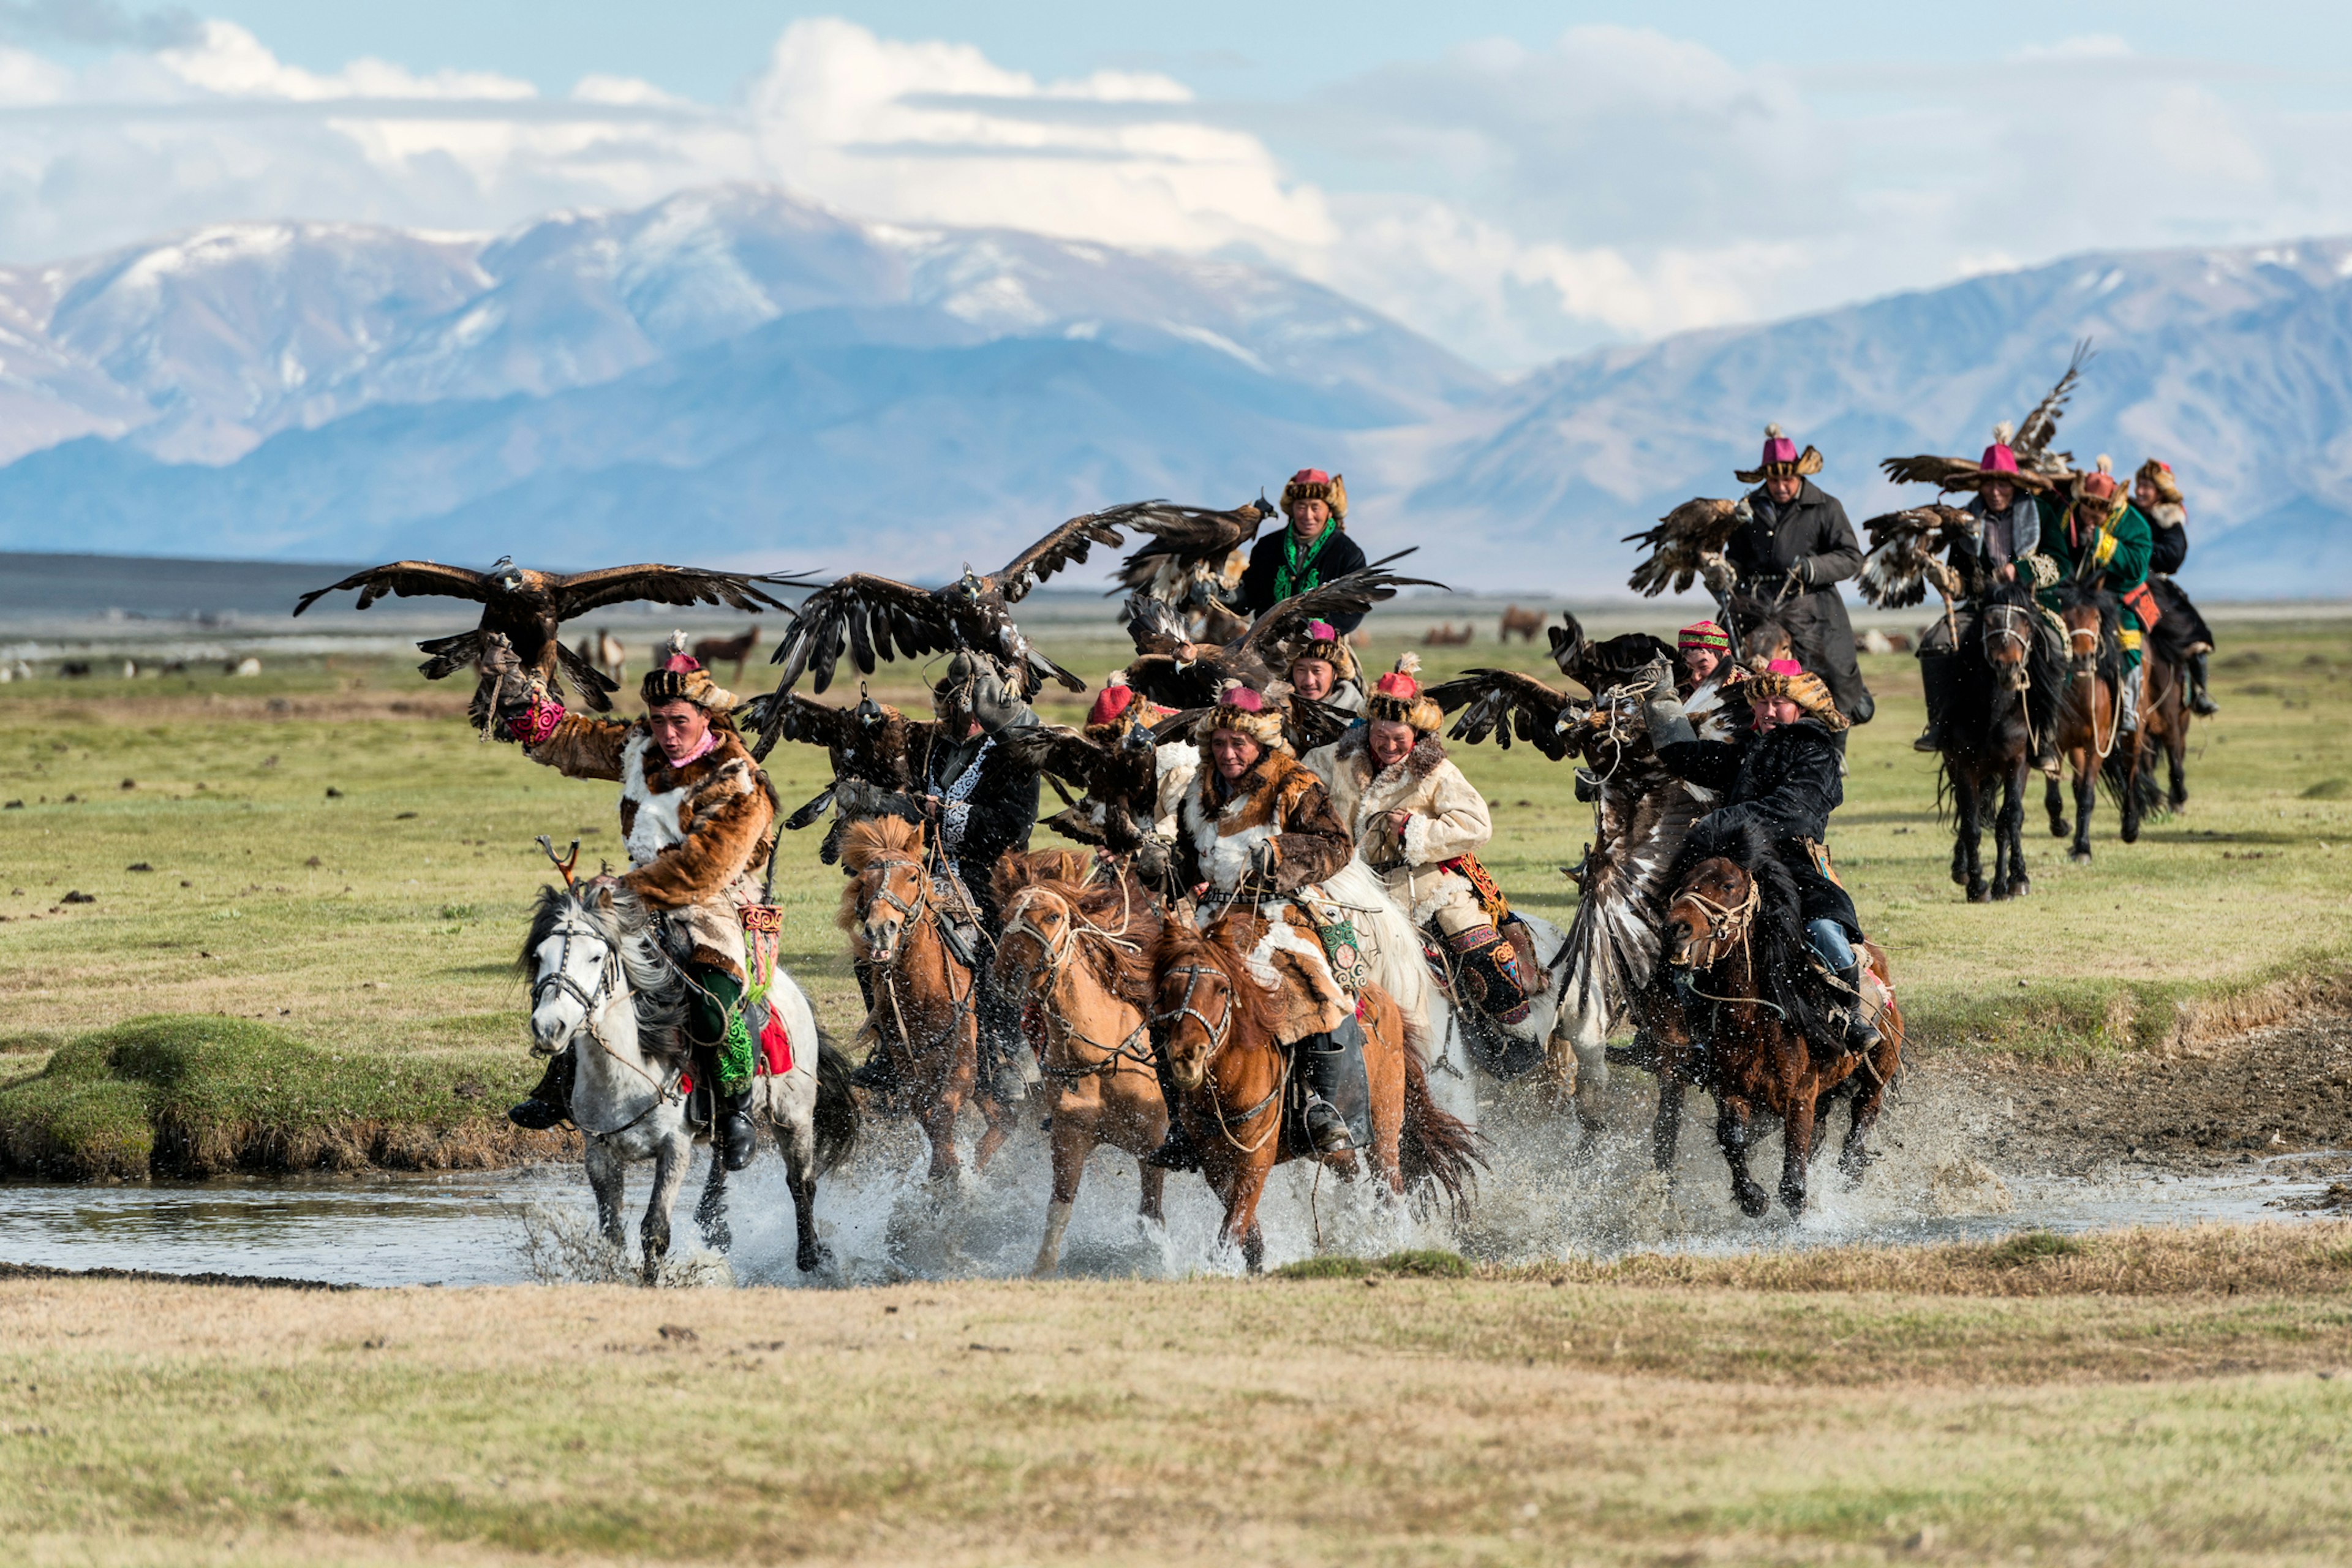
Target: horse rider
<point>1258,828</point>
<point>2005,544</point>
<point>1792,554</point>
<point>2180,632</point>
<point>1710,673</point>
<point>1320,664</point>
<point>1312,550</point>
<point>695,811</point>
<point>2098,539</point>
<point>1116,712</point>
<point>976,801</point>
<point>1782,775</point>
<point>1419,824</point>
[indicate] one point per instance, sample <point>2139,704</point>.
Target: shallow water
<point>1545,1196</point>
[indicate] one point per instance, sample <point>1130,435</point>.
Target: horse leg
<point>1246,1185</point>
<point>669,1174</point>
<point>605,1179</point>
<point>2053,802</point>
<point>1796,1148</point>
<point>1666,1132</point>
<point>2009,829</point>
<point>1074,1141</point>
<point>2176,756</point>
<point>937,1114</point>
<point>1589,1040</point>
<point>795,1127</point>
<point>710,1209</point>
<point>2131,809</point>
<point>1731,1132</point>
<point>2086,788</point>
<point>1854,1156</point>
<point>1970,846</point>
<point>999,1118</point>
<point>1155,1184</point>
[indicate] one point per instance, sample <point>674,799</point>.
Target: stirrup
<point>1329,1129</point>
<point>1928,741</point>
<point>536,1116</point>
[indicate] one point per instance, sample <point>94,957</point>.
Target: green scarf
<point>1295,575</point>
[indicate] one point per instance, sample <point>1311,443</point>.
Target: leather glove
<point>1265,859</point>
<point>1669,725</point>
<point>1718,574</point>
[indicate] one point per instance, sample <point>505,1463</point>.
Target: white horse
<point>1457,1042</point>
<point>601,986</point>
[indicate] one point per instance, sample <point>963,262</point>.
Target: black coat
<point>1786,781</point>
<point>1790,560</point>
<point>1339,556</point>
<point>1000,810</point>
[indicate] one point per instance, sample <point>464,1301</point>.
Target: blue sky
<point>1518,181</point>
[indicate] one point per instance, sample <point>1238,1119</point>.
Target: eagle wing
<point>1504,703</point>
<point>1925,469</point>
<point>1904,550</point>
<point>868,615</point>
<point>408,579</point>
<point>1598,666</point>
<point>2039,428</point>
<point>1681,541</point>
<point>1058,549</point>
<point>1058,750</point>
<point>1351,594</point>
<point>1642,817</point>
<point>576,592</point>
<point>1184,537</point>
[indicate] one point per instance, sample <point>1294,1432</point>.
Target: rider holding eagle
<point>695,811</point>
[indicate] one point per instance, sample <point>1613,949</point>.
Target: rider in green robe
<point>2099,540</point>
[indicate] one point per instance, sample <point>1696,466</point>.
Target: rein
<point>960,1007</point>
<point>1218,1034</point>
<point>1058,956</point>
<point>612,987</point>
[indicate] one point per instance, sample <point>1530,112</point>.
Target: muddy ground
<point>2281,1091</point>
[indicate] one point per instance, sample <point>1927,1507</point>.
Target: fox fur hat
<point>1245,712</point>
<point>1780,461</point>
<point>678,677</point>
<point>1397,695</point>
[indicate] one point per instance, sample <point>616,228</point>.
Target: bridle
<point>1056,956</point>
<point>1218,1032</point>
<point>1727,925</point>
<point>594,1000</point>
<point>909,914</point>
<point>912,916</point>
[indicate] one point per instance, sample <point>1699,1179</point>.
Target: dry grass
<point>1412,1420</point>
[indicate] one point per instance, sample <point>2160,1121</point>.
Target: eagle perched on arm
<point>1688,543</point>
<point>871,615</point>
<point>1905,550</point>
<point>528,608</point>
<point>2038,465</point>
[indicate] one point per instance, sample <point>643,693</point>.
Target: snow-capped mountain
<point>2233,365</point>
<point>739,376</point>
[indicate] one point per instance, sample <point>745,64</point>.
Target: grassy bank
<point>1654,1416</point>
<point>328,850</point>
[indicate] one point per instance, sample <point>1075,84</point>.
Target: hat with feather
<point>1314,484</point>
<point>2099,487</point>
<point>1322,640</point>
<point>1398,697</point>
<point>678,677</point>
<point>1787,677</point>
<point>2158,475</point>
<point>1244,712</point>
<point>1780,461</point>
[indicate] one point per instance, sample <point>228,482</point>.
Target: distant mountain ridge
<point>738,376</point>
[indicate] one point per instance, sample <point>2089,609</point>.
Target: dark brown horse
<point>1735,925</point>
<point>2091,736</point>
<point>1077,946</point>
<point>1216,1022</point>
<point>2005,685</point>
<point>924,1009</point>
<point>2164,720</point>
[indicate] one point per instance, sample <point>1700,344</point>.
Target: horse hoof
<point>1978,892</point>
<point>717,1237</point>
<point>2019,887</point>
<point>2131,832</point>
<point>2080,857</point>
<point>1794,1202</point>
<point>1959,878</point>
<point>812,1258</point>
<point>2057,828</point>
<point>1753,1201</point>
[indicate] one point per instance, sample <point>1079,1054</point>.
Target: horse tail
<point>835,1117</point>
<point>1434,1144</point>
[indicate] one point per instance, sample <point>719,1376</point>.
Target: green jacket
<point>2125,567</point>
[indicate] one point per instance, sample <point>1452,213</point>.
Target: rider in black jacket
<point>1784,777</point>
<point>1796,549</point>
<point>1313,549</point>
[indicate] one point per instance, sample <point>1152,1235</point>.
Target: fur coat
<point>696,834</point>
<point>1448,819</point>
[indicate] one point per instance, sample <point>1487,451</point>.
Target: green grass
<point>376,923</point>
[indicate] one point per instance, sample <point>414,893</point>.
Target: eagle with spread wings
<point>872,748</point>
<point>872,616</point>
<point>1176,672</point>
<point>1117,780</point>
<point>1195,554</point>
<point>529,607</point>
<point>2039,468</point>
<point>1687,544</point>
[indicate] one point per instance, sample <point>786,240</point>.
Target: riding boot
<point>1177,1150</point>
<point>738,1139</point>
<point>550,1105</point>
<point>1935,670</point>
<point>1339,1092</point>
<point>1859,1036</point>
<point>879,1073</point>
<point>2127,694</point>
<point>2200,701</point>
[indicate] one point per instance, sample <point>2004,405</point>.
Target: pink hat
<point>1998,459</point>
<point>1784,667</point>
<point>1778,448</point>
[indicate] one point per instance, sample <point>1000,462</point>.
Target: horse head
<point>1202,996</point>
<point>573,956</point>
<point>2085,613</point>
<point>1039,929</point>
<point>887,885</point>
<point>2008,635</point>
<point>1711,914</point>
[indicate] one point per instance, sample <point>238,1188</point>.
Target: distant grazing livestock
<point>712,652</point>
<point>1527,624</point>
<point>1447,635</point>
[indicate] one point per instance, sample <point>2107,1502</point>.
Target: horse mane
<point>657,988</point>
<point>1119,924</point>
<point>1252,1001</point>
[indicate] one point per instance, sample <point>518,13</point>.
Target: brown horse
<point>2090,734</point>
<point>712,652</point>
<point>1235,1087</point>
<point>1527,624</point>
<point>2164,719</point>
<point>1079,949</point>
<point>1735,925</point>
<point>923,1010</point>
